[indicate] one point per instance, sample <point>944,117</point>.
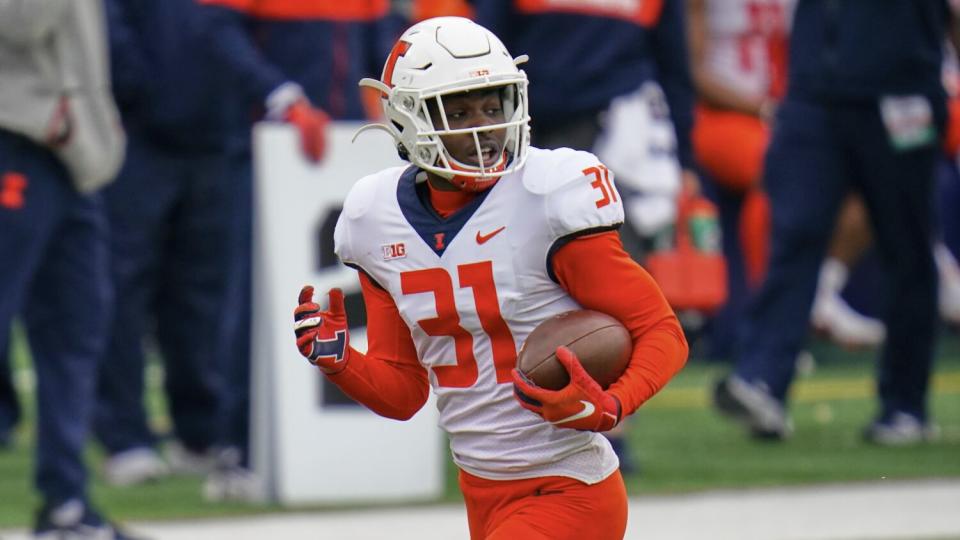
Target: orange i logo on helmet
<point>399,49</point>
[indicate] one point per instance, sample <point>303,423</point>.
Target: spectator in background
<point>596,73</point>
<point>831,314</point>
<point>738,54</point>
<point>296,62</point>
<point>59,143</point>
<point>864,111</point>
<point>169,212</point>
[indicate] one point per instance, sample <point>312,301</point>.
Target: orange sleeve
<point>601,276</point>
<point>388,379</point>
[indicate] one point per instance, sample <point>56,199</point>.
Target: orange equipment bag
<point>693,272</point>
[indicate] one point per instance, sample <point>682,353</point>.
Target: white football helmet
<point>443,56</point>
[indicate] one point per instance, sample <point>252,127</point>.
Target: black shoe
<point>77,521</point>
<point>753,406</point>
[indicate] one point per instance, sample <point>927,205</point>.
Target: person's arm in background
<point>227,24</point>
<point>27,22</point>
<point>128,65</point>
<point>673,73</point>
<point>708,88</point>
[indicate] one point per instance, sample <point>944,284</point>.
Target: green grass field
<point>680,443</point>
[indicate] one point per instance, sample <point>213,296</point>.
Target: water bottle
<point>704,227</point>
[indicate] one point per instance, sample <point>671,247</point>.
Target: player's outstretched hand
<point>322,336</point>
<point>582,404</point>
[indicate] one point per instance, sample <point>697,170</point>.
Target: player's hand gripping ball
<point>581,404</point>
<point>322,336</point>
<point>566,364</point>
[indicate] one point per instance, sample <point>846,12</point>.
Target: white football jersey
<point>473,286</point>
<point>746,42</point>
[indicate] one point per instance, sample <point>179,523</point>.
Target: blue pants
<point>817,153</point>
<point>948,195</point>
<point>170,216</point>
<point>53,272</point>
<point>722,327</point>
<point>235,357</point>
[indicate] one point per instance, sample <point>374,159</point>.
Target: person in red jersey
<point>460,256</point>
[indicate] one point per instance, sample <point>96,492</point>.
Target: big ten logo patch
<point>394,251</point>
<point>12,187</point>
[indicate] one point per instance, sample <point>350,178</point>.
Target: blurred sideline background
<point>696,476</point>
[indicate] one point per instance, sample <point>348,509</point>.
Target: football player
<point>460,256</point>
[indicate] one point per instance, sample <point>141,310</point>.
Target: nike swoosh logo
<point>588,409</point>
<point>482,238</point>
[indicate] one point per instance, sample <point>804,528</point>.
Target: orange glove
<point>312,124</point>
<point>322,336</point>
<point>582,404</point>
<point>288,103</point>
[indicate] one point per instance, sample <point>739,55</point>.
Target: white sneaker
<point>832,316</point>
<point>230,481</point>
<point>752,405</point>
<point>949,272</point>
<point>901,429</point>
<point>134,466</point>
<point>184,461</point>
<point>233,484</point>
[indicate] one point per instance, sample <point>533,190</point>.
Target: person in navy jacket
<point>294,61</point>
<point>865,110</point>
<point>169,212</point>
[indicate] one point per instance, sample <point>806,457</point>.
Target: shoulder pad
<point>360,199</point>
<point>547,170</point>
<point>579,194</point>
<point>363,193</point>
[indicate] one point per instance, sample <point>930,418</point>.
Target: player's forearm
<point>389,389</point>
<point>657,356</point>
<point>600,275</point>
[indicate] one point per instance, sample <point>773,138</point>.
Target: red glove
<point>582,404</point>
<point>312,124</point>
<point>322,336</point>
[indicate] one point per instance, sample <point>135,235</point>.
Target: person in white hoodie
<point>60,141</point>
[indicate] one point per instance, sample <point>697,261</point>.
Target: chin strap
<point>474,183</point>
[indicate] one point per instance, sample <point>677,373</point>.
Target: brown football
<point>602,344</point>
